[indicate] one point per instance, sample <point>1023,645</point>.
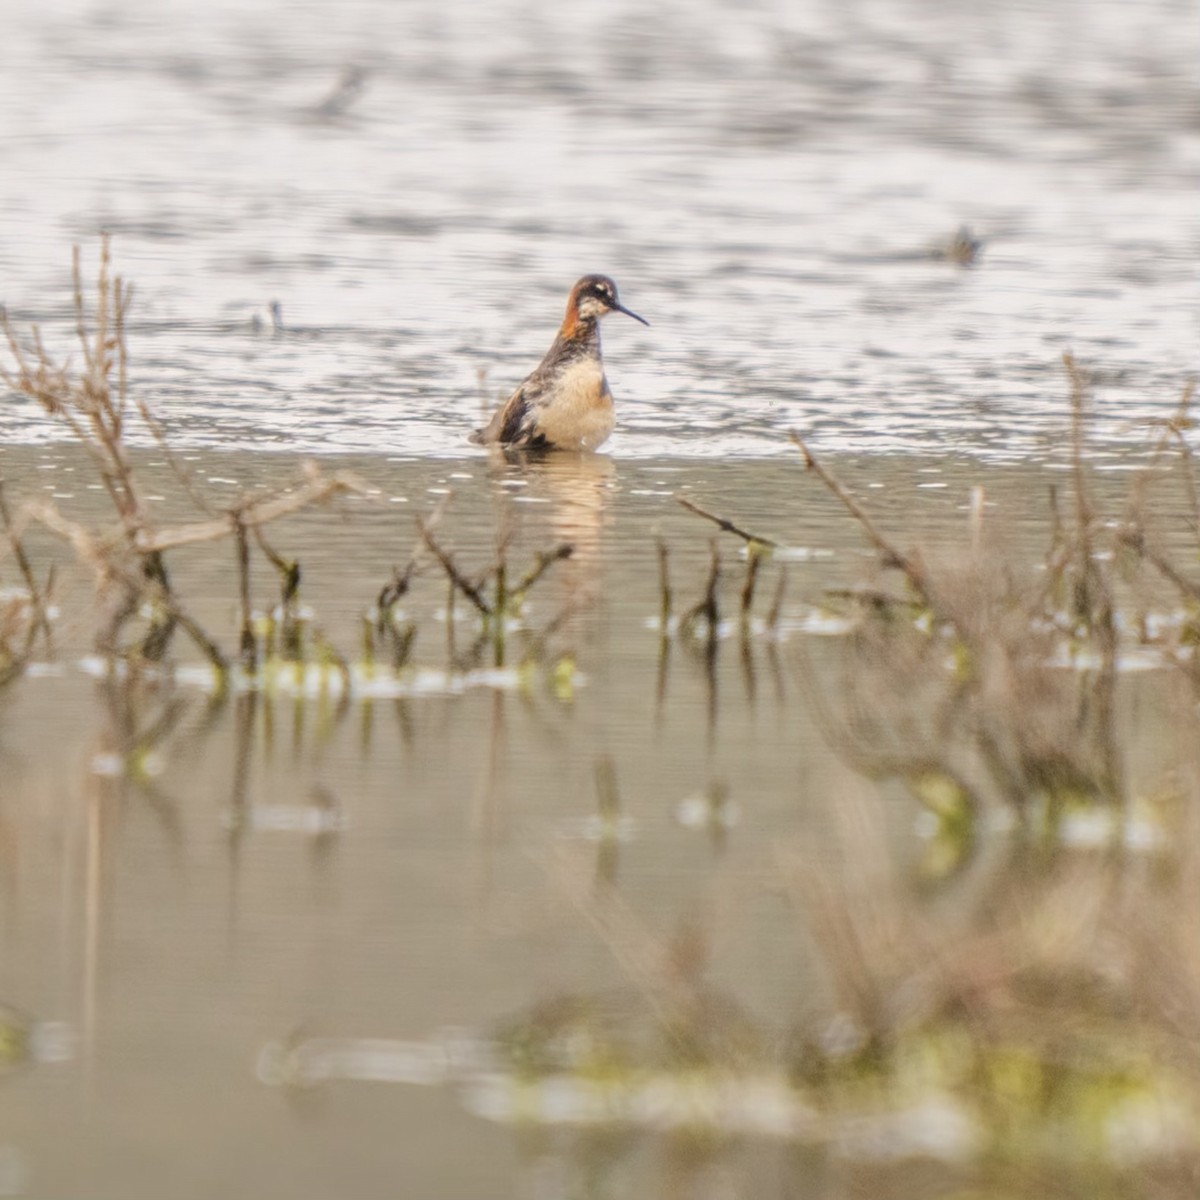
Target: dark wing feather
<point>516,422</point>
<point>516,418</point>
<point>512,424</point>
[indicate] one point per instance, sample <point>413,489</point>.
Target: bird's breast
<point>576,411</point>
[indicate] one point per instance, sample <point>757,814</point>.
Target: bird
<point>565,402</point>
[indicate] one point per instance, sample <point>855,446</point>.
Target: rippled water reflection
<point>767,186</point>
<point>372,903</point>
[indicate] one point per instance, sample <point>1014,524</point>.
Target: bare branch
<point>457,578</point>
<point>317,489</point>
<point>891,556</point>
<point>727,525</point>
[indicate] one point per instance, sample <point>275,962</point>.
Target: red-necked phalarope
<point>565,403</point>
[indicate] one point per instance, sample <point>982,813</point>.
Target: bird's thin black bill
<point>622,309</point>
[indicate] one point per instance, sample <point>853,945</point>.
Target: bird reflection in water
<point>559,498</point>
<point>574,491</point>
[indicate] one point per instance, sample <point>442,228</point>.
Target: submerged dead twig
<point>754,557</point>
<point>291,635</point>
<point>725,524</point>
<point>708,608</point>
<point>458,581</point>
<point>93,405</point>
<point>1134,534</point>
<point>316,488</point>
<point>892,557</point>
<point>401,637</point>
<point>288,568</point>
<point>506,599</point>
<point>1173,429</point>
<point>113,571</point>
<point>543,561</point>
<point>664,587</point>
<point>1188,588</point>
<point>960,698</point>
<point>1094,602</point>
<point>776,611</point>
<point>395,589</point>
<point>248,651</point>
<point>40,619</point>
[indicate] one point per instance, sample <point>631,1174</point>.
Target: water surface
<point>774,189</point>
<point>770,188</point>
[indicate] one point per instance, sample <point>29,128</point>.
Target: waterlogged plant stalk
<point>291,632</point>
<point>711,610</point>
<point>1134,536</point>
<point>1044,741</point>
<point>1095,606</point>
<point>104,412</point>
<point>754,556</point>
<point>773,617</point>
<point>328,657</point>
<point>314,489</point>
<point>543,561</point>
<point>366,629</point>
<point>1176,427</point>
<point>664,588</point>
<point>500,602</point>
<point>248,646</point>
<point>1173,433</point>
<point>496,626</point>
<point>40,619</point>
<point>910,567</point>
<point>401,639</point>
<point>458,580</point>
<point>727,525</point>
<point>114,576</point>
<point>707,610</point>
<point>94,404</point>
<point>537,645</point>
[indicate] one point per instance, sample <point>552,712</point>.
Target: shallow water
<point>401,874</point>
<point>409,870</point>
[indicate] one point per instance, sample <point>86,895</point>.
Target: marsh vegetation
<point>982,895</point>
